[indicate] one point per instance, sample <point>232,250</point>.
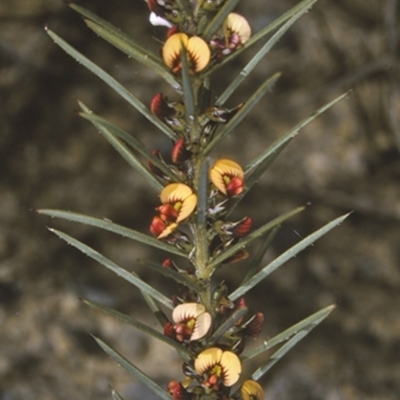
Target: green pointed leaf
<point>303,6</point>
<point>133,370</point>
<point>112,83</point>
<point>248,239</point>
<point>256,59</point>
<point>170,273</point>
<point>255,263</point>
<point>306,324</point>
<point>127,138</point>
<point>255,169</point>
<point>287,255</point>
<point>155,309</point>
<point>219,19</point>
<point>111,227</point>
<point>282,142</point>
<point>130,158</point>
<point>116,31</point>
<point>188,97</point>
<point>112,266</point>
<point>243,112</point>
<point>278,355</point>
<point>231,321</point>
<point>116,395</point>
<point>142,327</point>
<point>136,53</point>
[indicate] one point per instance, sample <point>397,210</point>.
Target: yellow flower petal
<point>203,324</point>
<point>188,206</point>
<point>175,192</point>
<point>224,167</point>
<point>186,311</point>
<point>232,368</point>
<point>167,231</point>
<point>199,53</point>
<point>237,24</point>
<point>207,359</point>
<point>251,390</point>
<point>172,49</point>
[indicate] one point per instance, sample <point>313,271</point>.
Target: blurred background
<point>347,160</point>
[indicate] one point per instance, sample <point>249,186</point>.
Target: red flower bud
<point>179,152</point>
<point>243,228</point>
<point>160,108</point>
<point>255,325</point>
<point>167,263</point>
<point>169,330</point>
<point>157,226</point>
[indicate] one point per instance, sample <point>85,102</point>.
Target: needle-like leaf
<point>142,327</point>
<point>255,169</point>
<point>306,324</point>
<point>248,239</point>
<point>170,273</point>
<point>256,59</point>
<point>112,266</point>
<point>113,83</point>
<point>111,227</point>
<point>127,138</point>
<point>243,112</point>
<point>287,255</point>
<point>255,263</point>
<point>139,54</point>
<point>130,158</point>
<point>135,371</point>
<point>231,321</point>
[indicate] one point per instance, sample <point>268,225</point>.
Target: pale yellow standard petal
<point>207,359</point>
<point>186,311</point>
<point>232,368</point>
<point>238,24</point>
<point>175,192</point>
<point>188,206</point>
<point>252,390</point>
<point>173,47</point>
<point>203,324</point>
<point>199,52</point>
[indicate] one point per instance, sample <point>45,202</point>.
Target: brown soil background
<point>347,160</point>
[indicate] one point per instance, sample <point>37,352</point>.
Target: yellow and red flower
<point>228,177</point>
<point>178,202</point>
<point>218,366</point>
<point>198,52</point>
<point>191,322</point>
<point>252,390</point>
<point>237,30</point>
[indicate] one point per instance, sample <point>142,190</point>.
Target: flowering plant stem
<point>206,323</point>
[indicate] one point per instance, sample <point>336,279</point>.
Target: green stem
<point>200,184</point>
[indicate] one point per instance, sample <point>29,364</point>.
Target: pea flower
<point>237,30</point>
<point>180,201</point>
<point>218,366</point>
<point>192,321</point>
<point>252,390</point>
<point>228,177</point>
<point>198,52</point>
